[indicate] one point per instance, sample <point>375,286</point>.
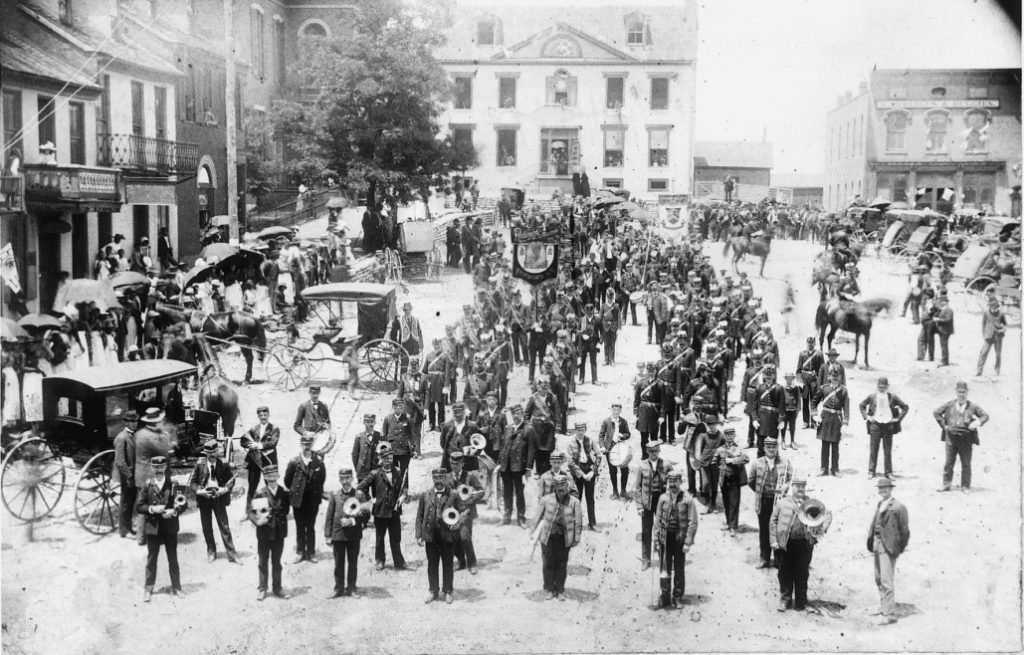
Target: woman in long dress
<point>32,392</point>
<point>12,391</point>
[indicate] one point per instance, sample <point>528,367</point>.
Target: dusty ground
<point>958,585</point>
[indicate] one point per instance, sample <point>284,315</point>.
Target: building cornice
<point>567,63</point>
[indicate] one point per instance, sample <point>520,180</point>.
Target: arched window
<point>203,178</point>
<point>313,28</point>
<point>896,122</point>
<point>937,124</point>
<point>975,136</point>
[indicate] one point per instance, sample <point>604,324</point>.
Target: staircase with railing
<point>290,214</point>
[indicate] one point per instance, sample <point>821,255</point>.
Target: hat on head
<point>654,443</point>
<point>675,475</point>
<point>131,415</point>
<point>798,481</point>
<point>614,405</point>
<point>713,418</point>
<point>152,415</point>
<point>439,473</point>
<point>810,339</point>
<point>516,408</point>
<point>314,387</point>
<point>884,482</point>
<point>210,446</point>
<point>369,417</point>
<point>560,480</point>
<point>459,405</point>
<point>729,431</point>
<point>159,460</point>
<point>345,473</point>
<point>457,456</point>
<point>961,385</point>
<point>581,424</point>
<point>789,375</point>
<point>306,438</point>
<point>883,381</point>
<point>832,352</point>
<point>557,456</point>
<point>771,441</point>
<point>397,402</point>
<point>262,408</point>
<point>269,468</point>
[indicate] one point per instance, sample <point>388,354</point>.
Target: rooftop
<point>732,154</point>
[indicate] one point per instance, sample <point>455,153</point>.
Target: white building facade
<point>546,93</point>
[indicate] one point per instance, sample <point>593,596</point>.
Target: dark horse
<point>215,391</point>
<point>758,246</point>
<point>850,317</point>
<point>239,327</point>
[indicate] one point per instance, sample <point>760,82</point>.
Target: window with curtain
<point>506,146</point>
<point>614,147</point>
<point>507,92</point>
<point>76,132</point>
<point>938,122</point>
<point>614,92</point>
<point>46,120</point>
<point>658,147</point>
<point>559,150</point>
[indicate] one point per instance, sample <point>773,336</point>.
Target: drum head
<point>620,455</point>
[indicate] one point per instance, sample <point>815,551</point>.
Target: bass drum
<point>620,455</point>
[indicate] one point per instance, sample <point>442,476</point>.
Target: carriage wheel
<point>32,480</point>
<point>98,495</point>
<point>381,365</point>
<point>980,288</point>
<point>287,367</point>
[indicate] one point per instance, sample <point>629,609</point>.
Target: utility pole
<point>230,119</point>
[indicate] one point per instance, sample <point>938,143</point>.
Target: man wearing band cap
<point>584,466</point>
<point>385,486</point>
<point>770,476</point>
<point>344,533</point>
<point>464,550</point>
<point>614,429</point>
<point>558,527</point>
<point>160,527</point>
<point>212,481</point>
<point>313,416</point>
<point>364,449</point>
<point>437,369</point>
<point>456,433</point>
<point>270,537</point>
<point>514,457</point>
<point>676,522</point>
<point>260,444</point>
<point>397,431</point>
<point>304,478</point>
<point>437,536</point>
<point>651,481</point>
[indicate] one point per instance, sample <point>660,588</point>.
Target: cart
<point>82,413</point>
<point>418,253</point>
<point>290,365</point>
<point>984,270</point>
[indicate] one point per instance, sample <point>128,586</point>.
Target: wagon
<point>82,413</point>
<point>290,366</point>
<point>985,270</point>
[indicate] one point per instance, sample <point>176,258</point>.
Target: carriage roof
<point>349,292</point>
<point>118,377</point>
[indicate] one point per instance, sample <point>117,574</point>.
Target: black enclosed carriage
<point>82,413</point>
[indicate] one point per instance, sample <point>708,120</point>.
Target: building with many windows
<point>543,93</point>
<point>941,139</point>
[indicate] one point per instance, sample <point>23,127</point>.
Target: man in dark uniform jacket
<point>124,462</point>
<point>808,363</point>
<point>464,550</point>
<point>458,426</point>
<point>304,478</point>
<point>453,241</point>
<point>270,537</point>
<point>313,416</point>
<point>651,482</point>
<point>589,338</point>
<point>769,406</point>
<point>260,444</point>
<point>437,369</point>
<point>397,431</point>
<point>515,456</point>
<point>344,534</point>
<point>437,536</point>
<point>364,449</point>
<point>212,481</point>
<point>613,430</point>
<point>385,487</point>
<point>156,504</point>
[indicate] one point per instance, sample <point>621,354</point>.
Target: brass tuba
<point>465,492</point>
<point>815,517</point>
<point>350,507</point>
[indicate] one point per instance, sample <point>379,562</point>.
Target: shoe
<point>461,566</point>
<point>807,426</point>
<point>448,598</point>
<point>352,593</point>
<point>261,594</point>
<point>312,558</point>
<point>401,567</point>
<point>944,487</point>
<point>822,473</point>
<point>710,510</point>
<point>521,522</point>
<point>732,532</point>
<point>299,558</point>
<point>549,596</point>
<point>871,476</point>
<point>592,527</point>
<point>561,596</point>
<point>379,566</point>
<point>233,558</point>
<point>724,527</point>
<point>211,557</point>
<point>965,489</point>
<point>506,521</point>
<point>472,570</point>
<point>280,593</point>
<point>646,565</point>
<point>886,620</point>
<point>615,495</point>
<point>177,591</point>
<point>675,603</point>
<point>835,474</point>
<point>147,595</point>
<point>430,599</point>
<point>336,594</point>
<point>764,564</point>
<point>799,608</point>
<point>785,605</point>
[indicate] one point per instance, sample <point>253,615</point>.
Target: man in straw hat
<point>676,522</point>
<point>160,527</point>
<point>437,536</point>
<point>888,536</point>
<point>557,529</point>
<point>794,541</point>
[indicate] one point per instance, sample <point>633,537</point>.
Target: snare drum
<point>620,454</point>
<point>637,297</point>
<point>323,442</point>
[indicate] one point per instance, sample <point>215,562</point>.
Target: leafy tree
<point>378,95</point>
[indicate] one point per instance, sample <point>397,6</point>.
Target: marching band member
<point>557,528</point>
<point>364,448</point>
<point>465,553</point>
<point>458,429</point>
<point>270,537</point>
<point>397,431</point>
<point>344,533</point>
<point>834,406</point>
<point>614,429</point>
<point>794,542</point>
<point>651,481</point>
<point>788,423</point>
<point>706,445</point>
<point>546,482</point>
<point>544,412</point>
<point>515,458</point>
<point>769,478</point>
<point>516,317</point>
<point>452,348</point>
<point>589,338</point>
<point>410,389</point>
<point>160,527</point>
<point>584,466</point>
<point>676,522</point>
<point>313,415</point>
<point>501,364</point>
<point>808,363</point>
<point>769,404</point>
<point>405,329</point>
<point>733,473</point>
<point>437,537</point>
<point>212,481</point>
<point>646,404</point>
<point>478,384</point>
<point>260,443</point>
<point>304,478</point>
<point>385,486</point>
<point>438,369</point>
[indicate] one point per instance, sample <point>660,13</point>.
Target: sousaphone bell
<point>465,492</point>
<point>478,442</point>
<point>350,507</point>
<point>450,516</point>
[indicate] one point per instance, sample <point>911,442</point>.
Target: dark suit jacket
<point>398,432</point>
<point>277,526</point>
<point>151,494</point>
<point>258,459</point>
<point>221,473</point>
<point>364,453</point>
<point>895,528</point>
<point>333,530</point>
<point>311,415</point>
<point>449,434</point>
<point>898,408</point>
<point>305,482</point>
<point>385,490</point>
<point>428,516</point>
<point>517,449</point>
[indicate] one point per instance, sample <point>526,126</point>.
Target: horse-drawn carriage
<point>368,350</point>
<point>418,253</point>
<point>985,270</point>
<point>869,223</point>
<point>82,413</point>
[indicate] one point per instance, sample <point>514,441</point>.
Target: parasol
<point>275,231</point>
<point>629,206</point>
<point>198,274</point>
<point>11,331</point>
<point>38,321</point>
<point>218,251</point>
<point>607,202</point>
<point>880,203</point>
<point>128,279</point>
<point>98,292</point>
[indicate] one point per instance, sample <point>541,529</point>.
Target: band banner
<point>535,253</point>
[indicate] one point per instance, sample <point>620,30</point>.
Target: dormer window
<point>488,31</point>
<point>638,31</point>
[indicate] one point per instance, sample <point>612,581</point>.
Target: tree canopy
<point>371,104</point>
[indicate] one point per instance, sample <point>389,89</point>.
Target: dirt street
<point>958,586</point>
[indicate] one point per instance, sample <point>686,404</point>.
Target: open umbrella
<point>217,251</point>
<point>880,203</point>
<point>275,231</point>
<point>198,274</point>
<point>99,292</point>
<point>338,202</point>
<point>38,321</point>
<point>128,279</point>
<point>629,206</point>
<point>11,331</point>
<point>607,202</point>
<point>243,257</point>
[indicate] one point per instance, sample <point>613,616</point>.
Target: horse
<point>758,246</point>
<point>850,317</point>
<point>878,304</point>
<point>236,326</point>
<point>215,391</point>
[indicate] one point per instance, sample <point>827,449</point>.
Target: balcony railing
<point>143,153</point>
<point>72,187</point>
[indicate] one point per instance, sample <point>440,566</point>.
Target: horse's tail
<point>261,337</point>
<point>725,248</point>
<point>821,317</point>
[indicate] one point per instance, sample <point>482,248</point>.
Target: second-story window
<point>896,131</point>
<point>561,89</point>
<point>46,118</point>
<point>614,92</point>
<point>507,92</point>
<point>76,132</point>
<point>659,93</point>
<point>463,92</point>
<point>138,119</point>
<point>658,147</point>
<point>506,146</point>
<point>614,140</point>
<point>160,111</point>
<point>12,125</point>
<point>938,122</point>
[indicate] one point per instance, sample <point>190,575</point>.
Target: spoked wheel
<point>98,495</point>
<point>32,480</point>
<point>287,368</point>
<point>380,365</point>
<point>980,289</point>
